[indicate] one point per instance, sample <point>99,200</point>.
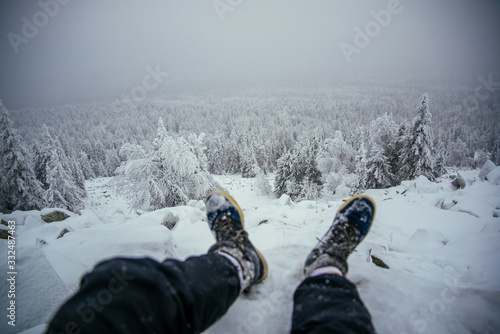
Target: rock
<point>459,182</point>
<point>170,220</point>
<point>487,168</point>
<point>494,176</point>
<point>54,216</point>
<point>4,234</point>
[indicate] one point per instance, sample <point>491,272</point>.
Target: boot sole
<point>352,199</point>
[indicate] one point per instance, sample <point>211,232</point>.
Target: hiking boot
<point>225,219</point>
<point>349,228</point>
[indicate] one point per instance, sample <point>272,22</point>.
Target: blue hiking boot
<point>350,226</point>
<point>225,219</point>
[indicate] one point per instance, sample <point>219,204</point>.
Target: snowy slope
<point>441,245</point>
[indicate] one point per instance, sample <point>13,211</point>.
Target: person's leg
<point>145,296</point>
<point>329,304</point>
<point>326,302</point>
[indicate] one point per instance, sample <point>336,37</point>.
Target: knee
<point>111,276</point>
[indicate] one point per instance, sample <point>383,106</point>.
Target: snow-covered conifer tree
<point>19,188</point>
<point>169,175</point>
<point>297,170</point>
<point>87,171</point>
<point>261,182</point>
<point>399,170</point>
<point>336,161</point>
<point>378,173</point>
<point>248,161</point>
<point>63,184</point>
<point>283,173</point>
<point>361,168</point>
<point>416,157</point>
<point>441,158</point>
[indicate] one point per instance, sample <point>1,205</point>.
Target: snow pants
<point>145,296</point>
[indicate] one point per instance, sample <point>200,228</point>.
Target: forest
<point>320,138</point>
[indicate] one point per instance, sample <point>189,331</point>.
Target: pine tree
<point>19,188</point>
<point>416,157</point>
<point>169,175</point>
<point>85,165</point>
<point>248,161</point>
<point>398,169</point>
<point>62,181</point>
<point>336,161</point>
<point>379,173</point>
<point>297,170</point>
<point>361,169</point>
<point>283,173</point>
<point>441,158</point>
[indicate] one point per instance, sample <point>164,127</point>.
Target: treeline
<point>251,130</point>
<point>378,156</point>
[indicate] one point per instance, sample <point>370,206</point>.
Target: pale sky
<point>96,49</point>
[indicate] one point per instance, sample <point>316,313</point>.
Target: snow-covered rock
<point>487,168</point>
<point>285,200</point>
<point>494,176</point>
<point>54,215</point>
<point>459,182</point>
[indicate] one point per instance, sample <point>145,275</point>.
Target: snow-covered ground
<point>441,246</point>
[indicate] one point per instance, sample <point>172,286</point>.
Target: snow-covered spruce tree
<point>297,173</point>
<point>378,173</point>
<point>248,161</point>
<point>336,162</point>
<point>441,157</point>
<point>398,170</point>
<point>216,154</point>
<point>63,185</point>
<point>19,188</point>
<point>86,167</point>
<point>283,173</point>
<point>169,175</point>
<point>199,148</point>
<point>416,155</point>
<point>361,169</point>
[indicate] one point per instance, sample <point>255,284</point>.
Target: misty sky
<point>96,49</point>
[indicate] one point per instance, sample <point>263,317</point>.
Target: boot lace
<point>225,229</point>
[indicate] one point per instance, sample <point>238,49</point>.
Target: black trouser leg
<point>329,304</point>
<point>145,296</point>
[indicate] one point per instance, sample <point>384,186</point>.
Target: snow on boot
<point>225,219</point>
<point>349,227</point>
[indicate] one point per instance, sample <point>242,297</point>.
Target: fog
<point>55,51</point>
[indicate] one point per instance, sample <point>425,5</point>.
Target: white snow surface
<point>441,245</point>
